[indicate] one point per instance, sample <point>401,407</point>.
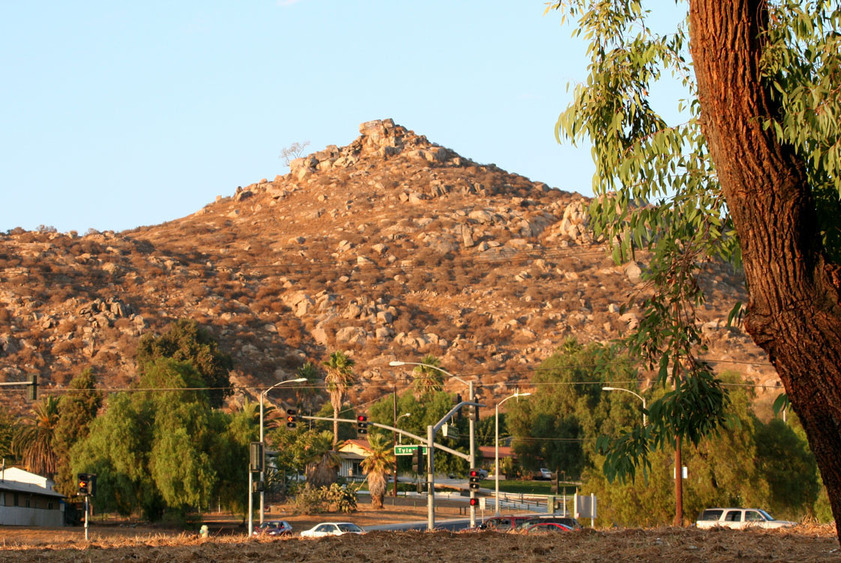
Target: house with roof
<point>352,452</point>
<point>28,499</point>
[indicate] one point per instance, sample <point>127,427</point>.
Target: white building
<point>27,499</point>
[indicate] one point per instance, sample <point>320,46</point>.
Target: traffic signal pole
<point>472,461</point>
<point>430,478</point>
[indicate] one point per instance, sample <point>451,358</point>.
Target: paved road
<point>452,525</point>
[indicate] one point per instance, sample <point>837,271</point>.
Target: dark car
<point>273,528</point>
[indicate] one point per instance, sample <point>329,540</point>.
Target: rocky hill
<point>389,248</point>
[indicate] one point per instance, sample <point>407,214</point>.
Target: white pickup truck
<point>739,518</point>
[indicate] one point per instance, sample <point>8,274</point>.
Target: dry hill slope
<point>390,248</point>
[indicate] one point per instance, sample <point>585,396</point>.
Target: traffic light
<point>256,457</point>
<point>474,502</point>
<point>361,425</point>
<point>474,413</point>
<point>475,477</point>
<point>33,388</point>
<point>291,418</point>
<point>459,414</point>
<point>87,484</point>
<point>417,461</point>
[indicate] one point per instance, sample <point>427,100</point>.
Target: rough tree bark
<point>794,312</point>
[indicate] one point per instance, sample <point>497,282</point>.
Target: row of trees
<point>568,421</point>
<point>163,449</point>
<point>167,447</point>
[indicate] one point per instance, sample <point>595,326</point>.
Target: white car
<point>739,518</point>
<point>332,529</point>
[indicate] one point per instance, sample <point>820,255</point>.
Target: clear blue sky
<point>117,114</point>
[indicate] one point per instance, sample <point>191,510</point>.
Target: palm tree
<point>340,376</point>
<point>376,466</point>
<point>34,441</point>
<point>305,395</point>
<point>313,451</point>
<point>428,380</point>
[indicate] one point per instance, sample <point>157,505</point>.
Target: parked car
<point>542,474</point>
<point>483,473</point>
<point>273,528</point>
<point>566,521</point>
<point>332,529</point>
<point>503,523</point>
<point>739,518</point>
<point>546,528</point>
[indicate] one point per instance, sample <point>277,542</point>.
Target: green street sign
<point>408,450</point>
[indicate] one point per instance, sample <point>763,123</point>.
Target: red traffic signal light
<point>474,502</point>
<point>361,424</point>
<point>475,476</point>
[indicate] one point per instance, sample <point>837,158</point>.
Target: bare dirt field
<point>114,542</point>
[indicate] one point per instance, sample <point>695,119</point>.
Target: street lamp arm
<point>637,395</point>
<point>452,413</point>
<point>297,380</point>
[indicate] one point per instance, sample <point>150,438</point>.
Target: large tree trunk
<point>794,312</point>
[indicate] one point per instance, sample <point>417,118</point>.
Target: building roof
<point>18,487</point>
<point>489,452</point>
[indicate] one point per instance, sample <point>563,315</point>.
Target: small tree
<point>376,466</point>
<point>293,151</point>
<point>340,376</point>
<point>428,380</point>
<point>34,441</point>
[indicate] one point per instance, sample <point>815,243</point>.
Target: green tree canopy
<point>76,411</point>
<point>557,426</point>
<point>185,341</point>
<point>159,450</point>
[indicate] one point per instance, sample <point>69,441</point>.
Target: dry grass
<point>228,543</point>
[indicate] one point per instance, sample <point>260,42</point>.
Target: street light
<point>471,422</point>
<point>262,396</point>
<point>400,437</point>
<point>394,439</point>
<point>638,396</point>
<point>496,448</point>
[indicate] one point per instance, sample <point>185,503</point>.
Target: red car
<point>547,528</point>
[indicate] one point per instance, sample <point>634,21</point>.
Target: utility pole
<point>678,466</point>
<point>430,478</point>
<point>394,434</point>
<point>472,462</point>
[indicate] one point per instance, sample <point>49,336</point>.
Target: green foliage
<point>428,380</point>
<point>7,433</point>
<point>376,466</point>
<point>34,440</point>
<point>556,427</point>
<point>423,413</point>
<point>347,431</point>
<point>748,463</point>
<point>316,500</point>
<point>77,410</point>
<point>340,377</point>
<point>185,341</point>
<point>164,452</point>
<point>802,64</point>
<point>789,467</point>
<point>656,190</point>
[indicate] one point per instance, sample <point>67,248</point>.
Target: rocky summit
<point>389,248</point>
